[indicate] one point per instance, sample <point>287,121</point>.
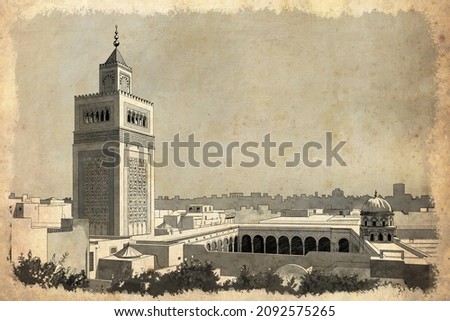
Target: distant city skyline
<point>237,78</point>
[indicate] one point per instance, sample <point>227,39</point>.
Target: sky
<point>236,78</point>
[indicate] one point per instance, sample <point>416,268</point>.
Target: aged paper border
<point>437,15</point>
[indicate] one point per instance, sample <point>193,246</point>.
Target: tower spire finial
<point>116,42</point>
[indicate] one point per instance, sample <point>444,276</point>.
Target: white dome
<point>376,205</point>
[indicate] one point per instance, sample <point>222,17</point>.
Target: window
<point>112,249</point>
<point>91,261</point>
<point>96,116</point>
<point>136,118</point>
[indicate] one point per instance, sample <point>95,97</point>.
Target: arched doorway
<point>235,246</point>
<point>372,238</point>
<point>310,244</point>
<point>297,246</point>
<point>219,245</point>
<point>258,244</point>
<point>344,246</point>
<point>380,237</point>
<point>324,245</point>
<point>230,245</point>
<point>271,245</point>
<point>389,237</point>
<point>225,245</point>
<point>283,245</point>
<point>246,244</point>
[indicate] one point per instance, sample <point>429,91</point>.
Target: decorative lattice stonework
<point>137,190</point>
<point>96,191</point>
<point>124,82</point>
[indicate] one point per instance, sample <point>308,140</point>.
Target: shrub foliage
<point>194,274</point>
<point>189,275</point>
<point>31,271</point>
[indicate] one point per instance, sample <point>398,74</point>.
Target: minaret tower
<point>113,180</point>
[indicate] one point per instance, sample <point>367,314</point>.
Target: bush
<point>196,275</point>
<point>318,282</point>
<point>134,284</point>
<point>188,276</point>
<point>31,271</point>
<point>267,280</point>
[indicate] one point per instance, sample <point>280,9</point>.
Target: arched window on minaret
<point>144,121</point>
<point>107,115</point>
<point>102,115</point>
<point>129,116</point>
<point>97,117</point>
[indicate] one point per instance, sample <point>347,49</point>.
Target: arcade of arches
<point>272,245</point>
<point>285,245</point>
<point>226,244</point>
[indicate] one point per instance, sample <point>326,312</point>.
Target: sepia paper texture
<point>39,77</point>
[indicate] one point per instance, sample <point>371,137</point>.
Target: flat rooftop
<point>184,235</point>
<point>410,257</point>
<point>318,220</point>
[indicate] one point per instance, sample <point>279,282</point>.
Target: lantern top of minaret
<point>116,41</point>
<point>116,56</point>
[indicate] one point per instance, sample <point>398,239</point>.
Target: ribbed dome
<point>376,205</point>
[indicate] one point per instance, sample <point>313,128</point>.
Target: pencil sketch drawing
<point>285,153</point>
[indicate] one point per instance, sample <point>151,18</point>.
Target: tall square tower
<point>113,180</point>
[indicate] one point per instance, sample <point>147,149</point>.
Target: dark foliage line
<point>190,275</point>
<point>194,274</point>
<point>31,271</point>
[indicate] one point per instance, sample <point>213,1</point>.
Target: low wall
<point>165,255</point>
<point>415,275</point>
<point>230,263</point>
<point>107,269</point>
<point>416,233</point>
<point>384,268</point>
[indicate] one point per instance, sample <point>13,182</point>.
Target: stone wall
<point>230,263</point>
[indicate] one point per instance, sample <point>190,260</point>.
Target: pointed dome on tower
<point>115,74</point>
<point>116,56</point>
